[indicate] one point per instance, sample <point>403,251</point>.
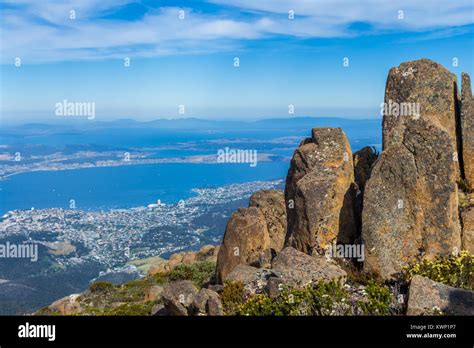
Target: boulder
<point>427,297</point>
<point>201,303</point>
<point>411,201</point>
<point>214,307</point>
<point>153,293</point>
<point>178,297</point>
<point>319,192</point>
<point>246,238</point>
<point>467,239</point>
<point>467,130</point>
<point>419,89</point>
<point>300,269</point>
<point>272,205</point>
<point>159,310</point>
<point>68,305</point>
<point>274,286</point>
<point>254,279</point>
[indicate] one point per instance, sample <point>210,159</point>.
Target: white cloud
<point>41,31</point>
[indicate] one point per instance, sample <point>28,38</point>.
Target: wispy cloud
<point>42,31</point>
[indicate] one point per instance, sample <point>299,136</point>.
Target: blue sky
<point>190,61</point>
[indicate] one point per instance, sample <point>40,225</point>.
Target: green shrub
<point>101,286</point>
<point>198,272</point>
<point>232,296</point>
<point>131,309</point>
<point>463,185</point>
<point>321,299</point>
<point>378,300</point>
<point>453,270</point>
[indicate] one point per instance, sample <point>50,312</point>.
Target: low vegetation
<point>324,298</point>
<point>454,270</point>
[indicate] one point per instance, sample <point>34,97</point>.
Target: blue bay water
<point>126,186</point>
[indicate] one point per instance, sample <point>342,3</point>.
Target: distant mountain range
<point>79,125</point>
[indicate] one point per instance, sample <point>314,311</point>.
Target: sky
<point>316,58</point>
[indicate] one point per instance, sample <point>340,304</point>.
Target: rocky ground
<point>409,209</point>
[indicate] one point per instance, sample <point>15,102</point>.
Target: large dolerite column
<point>411,203</point>
<point>246,238</point>
<point>467,130</point>
<point>319,192</point>
<point>420,88</point>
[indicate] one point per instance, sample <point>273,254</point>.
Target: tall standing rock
<point>420,89</point>
<point>411,202</point>
<point>272,204</point>
<point>319,192</point>
<point>245,240</point>
<point>467,130</point>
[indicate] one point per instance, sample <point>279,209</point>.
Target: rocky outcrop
<point>467,219</point>
<point>178,297</point>
<point>319,192</point>
<point>467,130</point>
<point>206,253</point>
<point>272,205</point>
<point>207,302</point>
<point>419,89</point>
<point>411,200</point>
<point>68,305</point>
<point>300,269</point>
<point>153,293</point>
<point>254,279</point>
<point>245,241</point>
<point>427,297</point>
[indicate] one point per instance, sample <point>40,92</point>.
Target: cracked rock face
<point>272,205</point>
<point>467,129</point>
<point>424,84</point>
<point>319,192</point>
<point>411,201</point>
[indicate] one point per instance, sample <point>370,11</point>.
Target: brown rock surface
<point>254,279</point>
<point>301,269</point>
<point>246,238</point>
<point>364,160</point>
<point>411,201</point>
<point>467,129</point>
<point>178,297</point>
<point>272,205</point>
<point>427,84</point>
<point>467,239</point>
<point>201,302</point>
<point>319,192</point>
<point>427,297</point>
<point>67,305</point>
<point>153,293</point>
